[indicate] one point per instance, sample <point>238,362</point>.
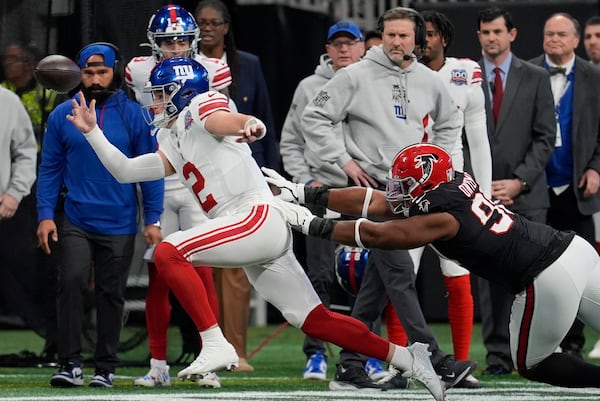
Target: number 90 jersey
<point>220,172</point>
<point>492,242</point>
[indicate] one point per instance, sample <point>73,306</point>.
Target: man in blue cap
<point>99,220</point>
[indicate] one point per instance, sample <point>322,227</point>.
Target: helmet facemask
<point>172,23</point>
<point>162,110</point>
<point>398,194</point>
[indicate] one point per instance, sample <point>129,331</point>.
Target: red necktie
<point>498,92</point>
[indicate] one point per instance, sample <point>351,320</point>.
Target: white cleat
<point>212,358</point>
<point>158,375</point>
<point>209,380</point>
<point>422,370</point>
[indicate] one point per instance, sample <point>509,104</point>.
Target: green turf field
<point>277,376</point>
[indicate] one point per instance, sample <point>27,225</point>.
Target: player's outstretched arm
<point>148,167</point>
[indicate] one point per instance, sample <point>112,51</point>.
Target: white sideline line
<point>496,394</point>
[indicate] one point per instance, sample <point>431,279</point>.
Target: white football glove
<point>289,191</point>
<point>296,216</point>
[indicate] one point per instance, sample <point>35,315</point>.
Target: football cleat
<point>209,380</point>
<point>422,370</point>
<point>212,358</point>
<point>158,375</point>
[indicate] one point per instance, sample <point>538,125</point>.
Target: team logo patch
<point>399,100</point>
<point>424,206</point>
<point>188,119</point>
<point>397,94</point>
<point>321,99</point>
<point>459,77</point>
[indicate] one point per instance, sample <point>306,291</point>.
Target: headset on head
<point>420,27</point>
<point>119,73</point>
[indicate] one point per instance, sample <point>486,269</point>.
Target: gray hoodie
<point>303,163</point>
<point>383,107</point>
<point>18,149</point>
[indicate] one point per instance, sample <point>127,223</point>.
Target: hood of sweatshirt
<point>377,55</point>
<point>325,67</point>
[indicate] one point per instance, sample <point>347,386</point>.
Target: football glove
<point>296,216</point>
<point>289,191</point>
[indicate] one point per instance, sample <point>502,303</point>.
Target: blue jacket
<point>95,201</point>
<point>252,97</point>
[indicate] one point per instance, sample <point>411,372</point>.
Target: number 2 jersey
<point>220,172</point>
<point>492,242</point>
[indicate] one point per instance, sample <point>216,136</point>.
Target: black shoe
<point>452,371</point>
<point>469,381</point>
<point>352,378</point>
<point>495,370</point>
<point>393,380</point>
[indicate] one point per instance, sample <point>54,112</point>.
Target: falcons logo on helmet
<point>425,162</point>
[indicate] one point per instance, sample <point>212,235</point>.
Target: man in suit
<point>573,170</point>
<point>521,128</point>
<point>249,92</point>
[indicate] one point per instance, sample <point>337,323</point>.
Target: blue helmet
<point>172,22</point>
<point>173,83</point>
<point>350,265</point>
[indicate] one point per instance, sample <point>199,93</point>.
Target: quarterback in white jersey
<point>207,148</point>
<point>172,31</point>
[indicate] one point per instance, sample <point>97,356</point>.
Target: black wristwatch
<point>525,188</point>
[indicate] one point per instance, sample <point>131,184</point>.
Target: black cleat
<point>352,378</point>
<point>452,371</point>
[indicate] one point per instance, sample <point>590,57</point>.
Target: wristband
<point>357,233</point>
<point>367,201</point>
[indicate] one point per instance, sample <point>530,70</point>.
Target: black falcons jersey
<point>492,242</point>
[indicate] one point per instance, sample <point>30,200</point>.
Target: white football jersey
<point>462,77</point>
<point>219,171</point>
<point>138,71</point>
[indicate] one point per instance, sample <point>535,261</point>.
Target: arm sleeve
<point>145,167</point>
<point>477,137</point>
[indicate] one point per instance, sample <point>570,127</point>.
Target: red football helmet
<point>415,170</point>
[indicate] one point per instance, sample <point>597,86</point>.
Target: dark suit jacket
<point>523,141</point>
<point>585,132</point>
<point>252,97</point>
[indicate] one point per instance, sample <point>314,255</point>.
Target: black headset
<point>119,73</point>
<point>420,27</point>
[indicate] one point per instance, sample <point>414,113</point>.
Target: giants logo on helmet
<point>183,72</point>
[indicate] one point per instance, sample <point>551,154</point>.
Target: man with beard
<point>100,218</point>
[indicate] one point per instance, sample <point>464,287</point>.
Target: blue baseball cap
<point>344,27</point>
<point>106,51</point>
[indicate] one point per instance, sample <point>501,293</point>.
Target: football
<point>58,73</point>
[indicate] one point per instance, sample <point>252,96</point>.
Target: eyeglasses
<point>212,24</point>
<point>339,43</point>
